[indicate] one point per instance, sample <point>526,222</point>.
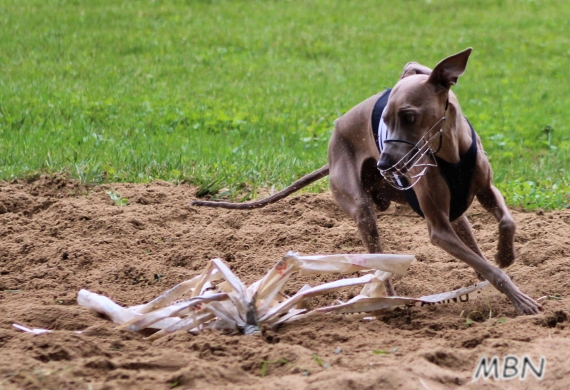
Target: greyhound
<point>412,145</point>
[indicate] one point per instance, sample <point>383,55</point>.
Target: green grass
<point>243,94</point>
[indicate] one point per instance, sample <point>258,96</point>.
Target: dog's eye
<point>409,118</point>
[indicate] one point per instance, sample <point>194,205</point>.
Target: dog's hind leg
<point>351,196</point>
<point>354,179</point>
<point>356,203</point>
<point>492,200</point>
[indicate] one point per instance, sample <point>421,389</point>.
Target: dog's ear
<point>446,73</point>
<point>413,68</point>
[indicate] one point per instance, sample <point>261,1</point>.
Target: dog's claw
<point>525,305</point>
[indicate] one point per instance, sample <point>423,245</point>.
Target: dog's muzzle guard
<point>399,175</point>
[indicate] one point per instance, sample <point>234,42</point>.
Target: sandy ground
<point>58,237</point>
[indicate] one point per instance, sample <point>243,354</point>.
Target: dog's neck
<point>456,133</point>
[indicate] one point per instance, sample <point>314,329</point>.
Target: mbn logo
<point>512,367</point>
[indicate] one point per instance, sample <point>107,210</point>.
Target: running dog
<point>412,145</point>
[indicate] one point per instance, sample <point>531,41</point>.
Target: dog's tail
<point>296,186</point>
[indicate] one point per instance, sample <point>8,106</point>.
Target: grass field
<point>237,95</point>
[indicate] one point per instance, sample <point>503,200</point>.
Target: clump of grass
<point>117,198</point>
<point>266,363</point>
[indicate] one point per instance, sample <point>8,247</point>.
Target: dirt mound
<point>58,236</point>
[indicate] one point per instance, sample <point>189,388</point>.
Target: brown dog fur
<point>358,187</point>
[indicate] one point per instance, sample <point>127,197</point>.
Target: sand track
<point>58,237</point>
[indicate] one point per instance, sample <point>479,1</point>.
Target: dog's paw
<point>525,305</point>
<point>505,259</point>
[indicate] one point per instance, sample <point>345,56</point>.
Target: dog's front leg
<point>443,235</point>
<point>462,228</point>
<point>492,200</point>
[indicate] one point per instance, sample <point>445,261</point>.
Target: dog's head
<point>415,110</point>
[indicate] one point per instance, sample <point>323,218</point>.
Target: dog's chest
<point>457,176</point>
